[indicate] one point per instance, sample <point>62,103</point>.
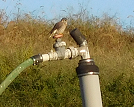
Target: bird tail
<point>50,35</point>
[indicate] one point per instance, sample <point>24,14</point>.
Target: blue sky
<point>49,9</point>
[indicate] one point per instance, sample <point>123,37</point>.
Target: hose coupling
<point>37,59</point>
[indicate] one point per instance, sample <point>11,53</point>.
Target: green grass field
<point>55,83</point>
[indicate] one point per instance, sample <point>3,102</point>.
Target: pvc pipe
<point>14,74</point>
<point>90,91</point>
<point>45,57</point>
<point>88,73</point>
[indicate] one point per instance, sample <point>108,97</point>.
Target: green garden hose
<point>14,74</point>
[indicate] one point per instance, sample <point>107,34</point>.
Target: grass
<point>55,83</point>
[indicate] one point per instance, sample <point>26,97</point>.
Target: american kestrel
<point>59,28</point>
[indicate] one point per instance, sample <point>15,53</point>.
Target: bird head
<point>64,20</point>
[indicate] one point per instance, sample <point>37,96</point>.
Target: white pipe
<point>90,91</point>
<point>45,57</point>
<point>69,53</point>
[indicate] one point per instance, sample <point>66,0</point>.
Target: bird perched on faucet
<point>58,28</point>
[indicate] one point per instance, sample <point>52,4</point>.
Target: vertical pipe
<point>88,73</point>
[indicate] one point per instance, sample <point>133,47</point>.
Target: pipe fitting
<point>81,41</point>
<point>84,52</point>
<point>59,47</point>
<point>74,52</point>
<point>87,67</point>
<point>37,59</point>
